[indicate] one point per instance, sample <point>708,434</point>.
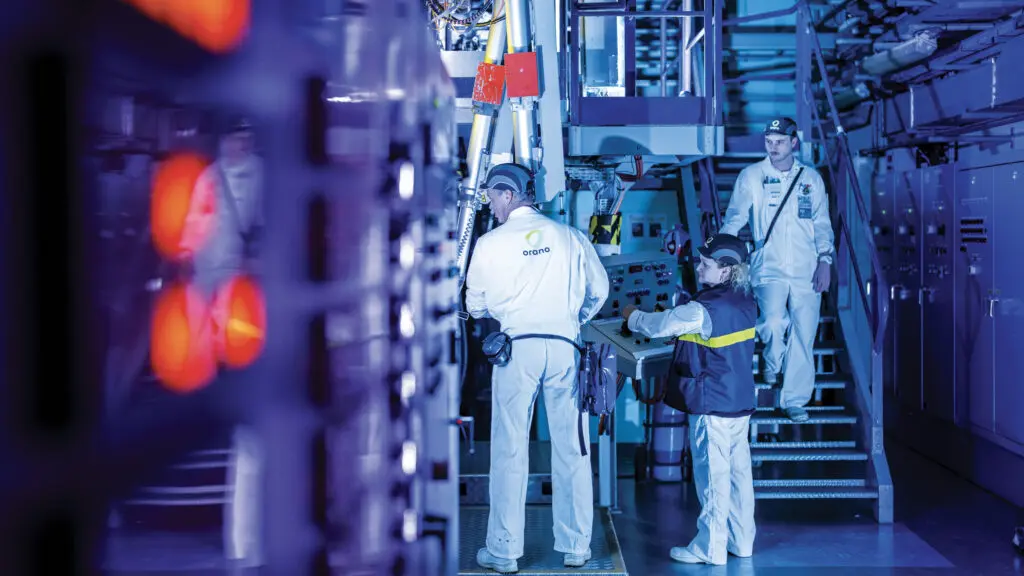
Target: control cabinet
<point>882,230</point>
<point>905,288</point>
<point>1005,305</point>
<point>973,270</point>
<point>936,292</point>
<point>646,280</point>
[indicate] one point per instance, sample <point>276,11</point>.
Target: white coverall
<point>783,270</point>
<point>535,275</point>
<point>218,256</point>
<point>720,448</point>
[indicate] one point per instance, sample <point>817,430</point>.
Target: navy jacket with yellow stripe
<point>715,376</point>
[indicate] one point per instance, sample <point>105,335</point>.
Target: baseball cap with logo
<point>511,177</point>
<point>725,249</point>
<point>784,126</point>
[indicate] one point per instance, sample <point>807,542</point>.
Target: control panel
<point>638,357</point>
<point>646,280</point>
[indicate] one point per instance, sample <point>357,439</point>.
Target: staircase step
<point>777,417</point>
<point>820,348</point>
<point>804,455</point>
<point>814,493</point>
<point>823,383</point>
<point>810,483</point>
<point>811,445</point>
<point>810,409</point>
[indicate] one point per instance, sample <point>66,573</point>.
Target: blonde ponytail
<point>739,277</point>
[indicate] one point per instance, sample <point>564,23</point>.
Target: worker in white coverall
<point>220,246</point>
<point>535,276</point>
<point>710,379</point>
<point>791,262</point>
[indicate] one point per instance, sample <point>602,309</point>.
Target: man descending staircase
<point>822,457</point>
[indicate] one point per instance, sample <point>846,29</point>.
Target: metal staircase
<point>838,453</point>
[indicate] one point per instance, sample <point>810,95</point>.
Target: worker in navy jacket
<point>711,379</point>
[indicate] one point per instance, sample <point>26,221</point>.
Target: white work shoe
<point>683,554</point>
<point>576,560</point>
<point>796,414</point>
<point>500,565</point>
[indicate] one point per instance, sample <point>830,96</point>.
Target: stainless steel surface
<point>635,360</point>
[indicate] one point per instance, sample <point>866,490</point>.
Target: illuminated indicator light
<point>410,526</point>
<point>181,214</point>
<point>217,25</point>
<point>408,385</point>
<point>406,180</point>
<point>181,340</point>
<point>405,325</point>
<point>240,316</point>
<point>409,457</point>
<point>406,252</point>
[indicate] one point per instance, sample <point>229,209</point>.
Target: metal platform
<point>474,470</point>
<point>540,557</point>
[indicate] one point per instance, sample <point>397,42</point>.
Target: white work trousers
<point>242,526</point>
<point>793,307</point>
<point>725,487</point>
<point>551,365</point>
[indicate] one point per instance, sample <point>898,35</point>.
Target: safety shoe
<point>500,565</point>
<point>576,560</point>
<point>796,414</point>
<point>683,554</point>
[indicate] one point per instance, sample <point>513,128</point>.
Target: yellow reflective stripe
<point>720,341</point>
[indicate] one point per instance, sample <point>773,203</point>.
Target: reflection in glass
<point>603,61</point>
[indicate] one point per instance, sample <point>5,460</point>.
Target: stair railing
<point>844,173</point>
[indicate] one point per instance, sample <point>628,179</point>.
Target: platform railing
<point>707,89</point>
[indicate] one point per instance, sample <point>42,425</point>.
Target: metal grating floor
<point>540,557</point>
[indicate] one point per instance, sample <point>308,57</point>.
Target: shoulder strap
<point>792,187</point>
<point>229,200</point>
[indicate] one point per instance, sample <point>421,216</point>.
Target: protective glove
<point>822,277</point>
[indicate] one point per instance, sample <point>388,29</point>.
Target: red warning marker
<point>182,352</point>
<point>181,214</point>
<point>240,314</point>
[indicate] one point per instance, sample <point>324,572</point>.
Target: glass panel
<point>604,53</point>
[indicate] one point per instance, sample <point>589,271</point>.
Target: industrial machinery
<point>351,382</point>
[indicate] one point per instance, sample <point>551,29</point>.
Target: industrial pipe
<point>904,54</point>
<point>914,50</point>
<point>524,110</point>
<point>477,151</point>
<point>685,54</point>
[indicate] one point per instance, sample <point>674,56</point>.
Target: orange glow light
<point>181,340</point>
<point>178,220</point>
<point>217,25</point>
<point>240,313</point>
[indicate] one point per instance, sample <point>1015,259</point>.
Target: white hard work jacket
<point>803,234</point>
<point>536,276</point>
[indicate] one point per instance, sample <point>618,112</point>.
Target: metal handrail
<point>881,309</point>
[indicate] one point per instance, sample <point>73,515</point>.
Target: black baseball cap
<point>512,177</point>
<point>782,125</point>
<point>725,249</point>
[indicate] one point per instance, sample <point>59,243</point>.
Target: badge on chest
<point>773,190</point>
<point>804,202</point>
